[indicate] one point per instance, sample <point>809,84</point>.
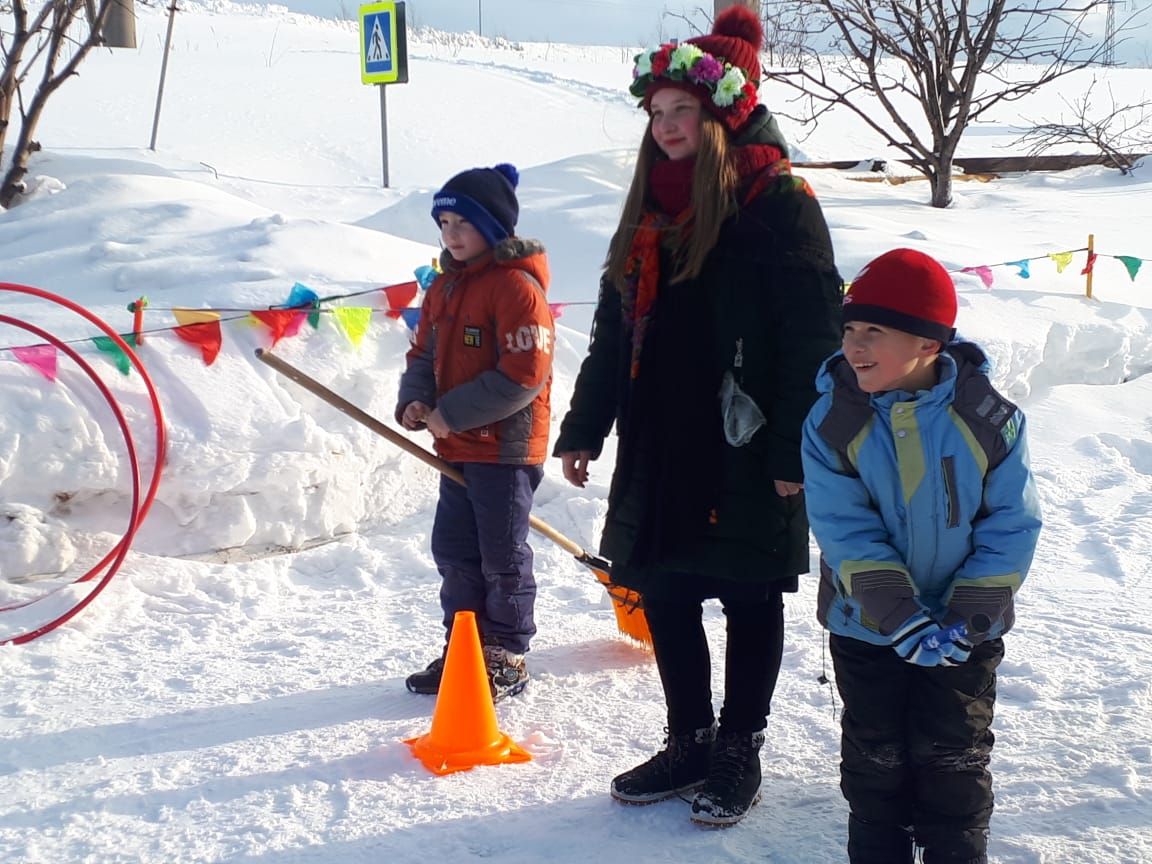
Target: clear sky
<point>633,22</point>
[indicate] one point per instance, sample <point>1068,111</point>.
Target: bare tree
<point>944,60</point>
<point>34,54</point>
<point>1122,134</point>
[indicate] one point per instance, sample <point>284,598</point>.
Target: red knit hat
<point>721,69</point>
<point>906,290</point>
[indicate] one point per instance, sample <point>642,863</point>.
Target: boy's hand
<point>415,415</point>
<point>911,642</point>
<point>785,488</point>
<point>436,424</point>
<point>575,464</point>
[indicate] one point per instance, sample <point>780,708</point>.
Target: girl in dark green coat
<point>720,299</point>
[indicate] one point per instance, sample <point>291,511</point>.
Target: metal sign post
<point>383,57</point>
<point>163,73</point>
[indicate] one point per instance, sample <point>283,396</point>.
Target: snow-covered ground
<point>236,693</point>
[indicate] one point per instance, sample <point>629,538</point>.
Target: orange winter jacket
<point>482,354</point>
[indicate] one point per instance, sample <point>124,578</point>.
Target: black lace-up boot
<point>680,767</point>
<point>733,783</point>
<point>427,681</point>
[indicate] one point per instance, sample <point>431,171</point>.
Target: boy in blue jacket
<point>921,500</point>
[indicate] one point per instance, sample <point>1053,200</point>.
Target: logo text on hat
<point>446,201</point>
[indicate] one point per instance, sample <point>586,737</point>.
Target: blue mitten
<point>955,644</point>
<point>918,640</point>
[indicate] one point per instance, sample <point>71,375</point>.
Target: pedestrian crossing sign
<point>383,44</point>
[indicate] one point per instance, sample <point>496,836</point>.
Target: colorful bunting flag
<point>105,344</point>
<point>1090,265</point>
<point>557,309</point>
<point>983,271</point>
<point>202,329</point>
<point>281,322</point>
<point>302,295</point>
<point>42,358</point>
<point>1023,266</point>
<point>425,276</point>
<point>411,318</point>
<point>1131,264</point>
<point>1062,259</point>
<point>399,296</point>
<point>354,321</point>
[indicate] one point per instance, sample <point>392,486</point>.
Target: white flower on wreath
<point>729,88</point>
<point>644,62</point>
<point>684,56</point>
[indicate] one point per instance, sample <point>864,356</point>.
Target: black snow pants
<point>915,747</point>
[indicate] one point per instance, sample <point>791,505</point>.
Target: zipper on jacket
<point>948,467</point>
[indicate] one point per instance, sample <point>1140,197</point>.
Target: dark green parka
<point>767,306</point>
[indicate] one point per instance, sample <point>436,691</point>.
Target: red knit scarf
<point>670,185</point>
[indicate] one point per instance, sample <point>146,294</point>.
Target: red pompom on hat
<point>906,290</point>
<point>724,78</point>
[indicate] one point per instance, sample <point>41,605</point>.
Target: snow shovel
<point>627,604</point>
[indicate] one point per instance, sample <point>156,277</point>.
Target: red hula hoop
<point>115,557</point>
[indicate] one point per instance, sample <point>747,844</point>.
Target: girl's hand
<point>575,464</point>
<point>784,488</point>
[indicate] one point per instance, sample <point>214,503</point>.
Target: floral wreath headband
<point>685,62</point>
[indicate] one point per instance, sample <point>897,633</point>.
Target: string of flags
<point>201,327</point>
<point>1023,266</point>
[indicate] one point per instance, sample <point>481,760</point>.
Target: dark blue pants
<point>915,747</point>
<point>479,543</point>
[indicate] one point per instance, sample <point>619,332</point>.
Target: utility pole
<point>479,17</point>
<point>1109,58</point>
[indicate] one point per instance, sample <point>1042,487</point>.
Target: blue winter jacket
<point>919,502</point>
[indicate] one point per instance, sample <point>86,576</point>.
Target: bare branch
<point>1121,133</point>
<point>942,62</point>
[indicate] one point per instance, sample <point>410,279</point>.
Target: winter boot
<point>507,673</point>
<point>427,681</point>
<point>680,767</point>
<point>733,783</point>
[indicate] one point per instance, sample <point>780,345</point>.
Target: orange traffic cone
<point>464,732</point>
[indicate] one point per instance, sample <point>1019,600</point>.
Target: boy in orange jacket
<point>479,376</point>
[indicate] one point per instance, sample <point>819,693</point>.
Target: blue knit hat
<point>486,197</point>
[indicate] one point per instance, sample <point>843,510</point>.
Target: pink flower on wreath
<point>707,70</point>
<point>660,60</point>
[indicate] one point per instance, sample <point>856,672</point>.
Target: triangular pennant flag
<point>557,309</point>
<point>105,344</point>
<point>302,295</point>
<point>1131,264</point>
<point>399,296</point>
<point>354,321</point>
<point>1089,265</point>
<point>1062,259</point>
<point>411,318</point>
<point>1023,266</point>
<point>983,271</point>
<point>42,358</point>
<point>282,322</point>
<point>201,329</point>
<point>425,276</point>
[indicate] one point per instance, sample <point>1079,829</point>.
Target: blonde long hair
<point>714,181</point>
